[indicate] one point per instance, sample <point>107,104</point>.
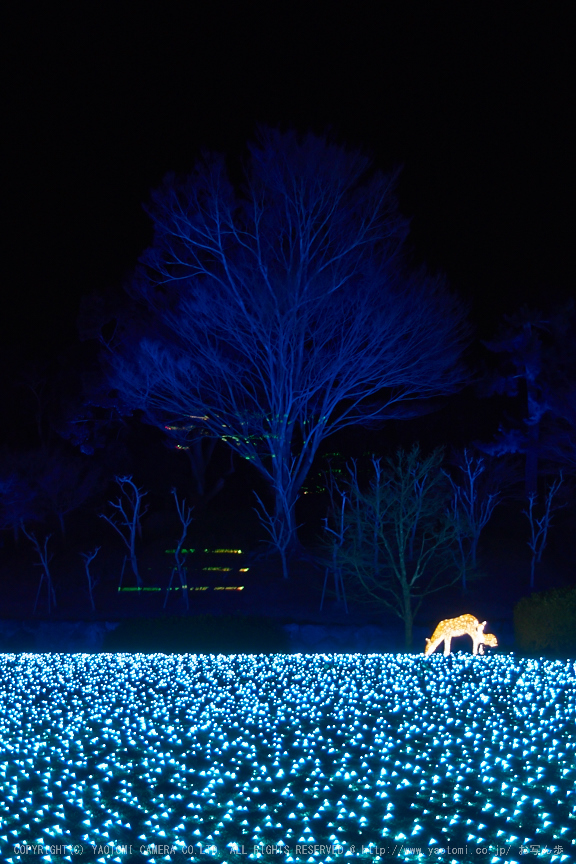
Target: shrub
<point>546,621</point>
<point>199,634</point>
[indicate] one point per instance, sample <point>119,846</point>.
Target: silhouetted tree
<point>44,562</point>
<point>43,483</point>
<point>199,445</point>
<point>337,535</point>
<point>284,310</point>
<point>92,582</point>
<point>539,527</point>
<point>398,538</point>
<point>185,516</point>
<point>92,419</point>
<point>65,482</point>
<point>19,500</point>
<point>476,490</point>
<point>538,368</point>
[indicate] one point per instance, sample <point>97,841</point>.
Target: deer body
<point>464,624</point>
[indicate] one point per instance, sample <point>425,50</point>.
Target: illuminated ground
<point>297,751</point>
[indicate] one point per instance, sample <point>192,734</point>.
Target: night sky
<point>474,101</point>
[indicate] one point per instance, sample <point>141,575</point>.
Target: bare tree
<point>44,562</point>
<point>126,519</point>
<point>474,497</point>
<point>539,527</point>
<point>88,558</point>
<point>185,516</point>
<point>337,542</point>
<point>279,525</point>
<point>399,538</point>
<point>284,312</point>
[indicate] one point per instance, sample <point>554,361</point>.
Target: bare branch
<point>126,519</point>
<point>539,527</point>
<point>185,516</point>
<point>398,536</point>
<point>88,558</point>
<point>289,311</point>
<point>44,562</point>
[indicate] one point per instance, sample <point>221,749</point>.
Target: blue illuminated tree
<point>537,369</point>
<point>126,517</point>
<point>98,418</point>
<point>19,501</point>
<point>46,483</point>
<point>65,483</point>
<point>284,310</point>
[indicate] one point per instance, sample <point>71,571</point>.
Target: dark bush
<point>546,621</point>
<point>199,634</point>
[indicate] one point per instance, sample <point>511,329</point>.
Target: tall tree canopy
<point>538,368</point>
<point>284,309</point>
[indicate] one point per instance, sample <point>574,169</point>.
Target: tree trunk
<point>532,570</point>
<point>531,469</point>
<point>533,412</point>
<point>285,519</point>
<point>408,617</point>
<point>134,564</point>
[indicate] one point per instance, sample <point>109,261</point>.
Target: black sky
<point>475,100</point>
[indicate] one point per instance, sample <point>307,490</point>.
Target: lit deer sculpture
<point>464,624</point>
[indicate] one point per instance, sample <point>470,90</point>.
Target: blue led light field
<point>213,756</point>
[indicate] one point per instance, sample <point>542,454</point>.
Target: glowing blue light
<point>296,718</point>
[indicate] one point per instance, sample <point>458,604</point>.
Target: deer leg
<point>447,642</point>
